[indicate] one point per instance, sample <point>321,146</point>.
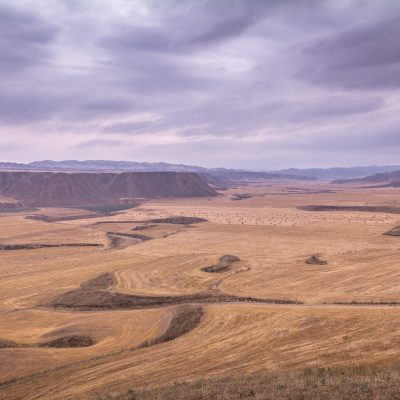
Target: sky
<point>254,84</point>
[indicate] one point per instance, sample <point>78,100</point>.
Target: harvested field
<point>282,337</point>
<point>111,333</point>
<point>155,317</point>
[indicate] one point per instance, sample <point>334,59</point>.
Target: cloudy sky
<point>256,84</point>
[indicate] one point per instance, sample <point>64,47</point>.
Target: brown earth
<point>233,337</point>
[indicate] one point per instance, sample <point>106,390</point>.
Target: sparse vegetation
<point>88,299</point>
<point>332,383</point>
<point>393,232</point>
<point>34,246</point>
<point>186,318</point>
<point>156,318</point>
<point>69,341</point>
<point>223,265</point>
<point>316,260</point>
<point>178,220</point>
<point>108,208</point>
<point>378,209</point>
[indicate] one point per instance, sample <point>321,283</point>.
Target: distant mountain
<point>385,179</point>
<point>340,172</point>
<point>83,188</point>
<point>216,176</point>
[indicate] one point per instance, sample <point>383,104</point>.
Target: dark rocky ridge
<point>385,179</point>
<point>79,189</point>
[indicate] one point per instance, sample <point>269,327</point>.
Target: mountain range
<point>212,175</point>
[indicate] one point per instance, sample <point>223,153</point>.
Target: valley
<point>140,309</point>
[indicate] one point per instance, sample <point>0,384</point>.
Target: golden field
<point>268,232</point>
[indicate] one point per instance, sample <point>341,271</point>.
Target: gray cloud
<point>224,83</point>
<point>100,142</point>
<point>24,39</point>
<point>366,55</point>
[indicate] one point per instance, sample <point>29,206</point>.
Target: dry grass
<point>272,238</point>
<point>350,383</point>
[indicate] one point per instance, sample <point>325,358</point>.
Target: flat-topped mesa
<point>57,189</point>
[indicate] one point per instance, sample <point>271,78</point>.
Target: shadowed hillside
<point>386,179</point>
<point>78,189</point>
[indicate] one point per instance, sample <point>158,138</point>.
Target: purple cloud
<point>221,83</point>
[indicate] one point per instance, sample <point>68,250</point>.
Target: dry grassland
<point>273,239</point>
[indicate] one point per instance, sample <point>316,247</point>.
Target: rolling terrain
<point>384,179</point>
<point>182,289</point>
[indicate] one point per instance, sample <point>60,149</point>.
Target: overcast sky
<point>256,84</point>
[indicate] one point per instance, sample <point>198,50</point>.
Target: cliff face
<point>75,189</point>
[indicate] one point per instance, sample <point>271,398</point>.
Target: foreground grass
<point>338,383</point>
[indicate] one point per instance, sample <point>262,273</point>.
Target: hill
<point>340,172</point>
<point>78,189</point>
<point>386,179</point>
<point>216,176</point>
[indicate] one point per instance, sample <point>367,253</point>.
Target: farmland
<point>90,310</point>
